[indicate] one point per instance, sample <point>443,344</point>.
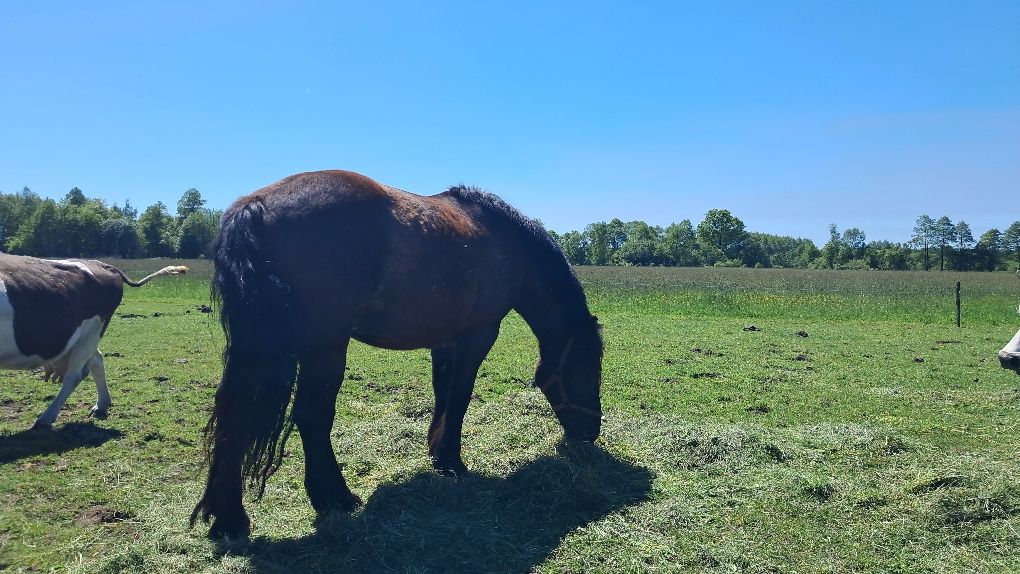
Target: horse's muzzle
<point>583,430</point>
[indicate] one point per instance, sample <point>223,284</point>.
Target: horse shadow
<point>71,436</point>
<point>474,524</point>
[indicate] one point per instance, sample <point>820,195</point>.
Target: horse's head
<point>572,383</point>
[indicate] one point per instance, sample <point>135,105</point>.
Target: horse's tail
<point>260,358</point>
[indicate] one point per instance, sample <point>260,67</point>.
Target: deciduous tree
<point>157,231</point>
<point>922,239</point>
<point>722,233</point>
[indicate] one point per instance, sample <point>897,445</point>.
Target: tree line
<point>80,226</point>
<point>722,240</point>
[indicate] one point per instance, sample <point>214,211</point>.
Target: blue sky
<point>792,115</point>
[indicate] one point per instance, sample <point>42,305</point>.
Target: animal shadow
<point>71,436</point>
<point>475,524</point>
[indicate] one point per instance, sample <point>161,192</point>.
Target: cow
<point>52,315</point>
<point>1009,356</point>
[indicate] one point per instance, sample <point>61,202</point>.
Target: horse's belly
<point>423,325</point>
<point>408,332</point>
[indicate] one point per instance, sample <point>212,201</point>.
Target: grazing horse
<point>307,263</point>
<point>52,314</point>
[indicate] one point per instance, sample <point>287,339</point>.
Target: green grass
<point>885,440</point>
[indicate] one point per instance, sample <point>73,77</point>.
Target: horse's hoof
<point>232,529</point>
<point>449,468</point>
<point>346,504</point>
<point>41,426</point>
<point>99,413</point>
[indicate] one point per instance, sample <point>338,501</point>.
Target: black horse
<point>307,263</point>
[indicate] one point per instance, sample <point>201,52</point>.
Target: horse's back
<point>404,270</point>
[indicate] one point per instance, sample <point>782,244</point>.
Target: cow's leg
<point>77,358</point>
<point>67,386</point>
<point>98,371</point>
<point>454,369</point>
<point>318,384</point>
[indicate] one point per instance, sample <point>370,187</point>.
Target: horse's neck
<point>553,305</point>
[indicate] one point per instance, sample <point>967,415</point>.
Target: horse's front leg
<point>314,410</point>
<point>454,368</point>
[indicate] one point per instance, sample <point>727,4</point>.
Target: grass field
<point>855,429</point>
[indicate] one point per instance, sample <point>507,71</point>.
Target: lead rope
<point>557,378</point>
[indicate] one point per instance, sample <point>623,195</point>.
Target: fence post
<point>957,303</point>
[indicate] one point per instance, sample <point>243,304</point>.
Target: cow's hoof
<point>41,426</point>
<point>1010,361</point>
<point>98,413</point>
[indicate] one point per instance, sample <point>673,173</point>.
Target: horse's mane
<point>551,255</point>
<point>493,204</point>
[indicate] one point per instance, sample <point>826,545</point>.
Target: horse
<point>304,265</point>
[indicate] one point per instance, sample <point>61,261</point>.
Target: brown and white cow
<point>52,315</point>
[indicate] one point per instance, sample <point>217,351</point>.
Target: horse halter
<point>557,379</point>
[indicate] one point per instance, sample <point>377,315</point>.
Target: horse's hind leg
<point>314,410</point>
<point>454,368</point>
<point>222,497</point>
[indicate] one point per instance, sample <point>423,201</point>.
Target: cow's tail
<point>250,420</point>
<point>169,270</point>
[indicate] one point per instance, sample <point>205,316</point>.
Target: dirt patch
<point>31,466</point>
<point>951,481</point>
<point>822,491</point>
<point>705,376</point>
<point>101,514</point>
<point>389,389</point>
<point>11,408</point>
